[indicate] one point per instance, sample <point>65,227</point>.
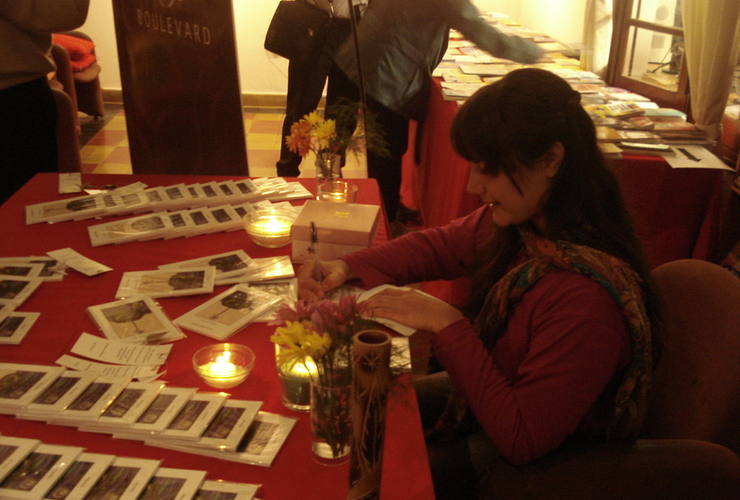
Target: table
<point>677,212</point>
<point>62,306</point>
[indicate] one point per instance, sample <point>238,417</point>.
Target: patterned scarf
<point>622,283</point>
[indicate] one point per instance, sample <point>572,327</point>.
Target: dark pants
<point>306,80</point>
<point>385,169</point>
<point>28,134</point>
<point>456,462</point>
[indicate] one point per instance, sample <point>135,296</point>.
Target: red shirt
<point>555,369</point>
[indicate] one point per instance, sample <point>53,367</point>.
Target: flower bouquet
<point>331,138</point>
<point>319,335</point>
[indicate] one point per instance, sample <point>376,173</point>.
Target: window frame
<point>623,22</point>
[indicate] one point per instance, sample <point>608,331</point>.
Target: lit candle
<point>223,372</point>
<point>295,380</point>
<point>269,231</point>
<point>222,367</point>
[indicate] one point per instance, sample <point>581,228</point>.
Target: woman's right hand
<point>334,273</point>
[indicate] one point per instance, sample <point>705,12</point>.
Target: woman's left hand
<point>411,308</point>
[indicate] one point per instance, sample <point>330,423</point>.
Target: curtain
<point>712,39</point>
<point>597,36</point>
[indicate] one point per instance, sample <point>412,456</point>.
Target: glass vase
<point>328,167</point>
<point>330,424</point>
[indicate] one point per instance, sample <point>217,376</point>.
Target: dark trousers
<point>306,80</point>
<point>28,134</point>
<point>456,462</point>
<point>395,127</point>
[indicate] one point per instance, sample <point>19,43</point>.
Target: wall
<point>263,73</point>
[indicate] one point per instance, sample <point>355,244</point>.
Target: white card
<point>38,471</point>
<point>121,353</point>
<point>78,262</point>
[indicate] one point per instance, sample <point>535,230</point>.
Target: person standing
<point>28,112</point>
<point>401,42</point>
<point>307,78</point>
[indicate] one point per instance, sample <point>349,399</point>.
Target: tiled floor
<point>106,150</point>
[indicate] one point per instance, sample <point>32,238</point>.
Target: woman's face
<point>510,205</point>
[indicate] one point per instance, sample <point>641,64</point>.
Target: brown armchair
<point>691,439</point>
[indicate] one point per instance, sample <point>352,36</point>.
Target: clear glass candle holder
<point>224,365</point>
<point>338,191</point>
<point>269,227</point>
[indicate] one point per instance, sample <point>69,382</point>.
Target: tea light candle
<point>224,365</point>
<point>295,380</point>
<point>270,229</point>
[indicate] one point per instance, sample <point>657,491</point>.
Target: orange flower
<point>299,140</point>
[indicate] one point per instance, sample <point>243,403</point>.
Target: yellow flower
<point>314,118</point>
<point>325,133</point>
<point>298,342</point>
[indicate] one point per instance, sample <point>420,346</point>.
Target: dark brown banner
<point>180,84</point>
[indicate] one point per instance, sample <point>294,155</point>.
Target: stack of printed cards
<point>136,198</point>
<point>57,396</point>
<point>126,408</point>
<point>224,432</point>
<point>137,320</point>
<point>262,269</point>
<point>13,451</point>
<point>38,471</point>
<point>141,228</point>
<point>184,419</point>
<point>30,469</point>
<point>21,383</point>
<point>15,325</point>
<point>259,446</point>
<point>14,290</point>
<point>226,265</point>
<point>166,283</point>
<point>90,404</point>
<point>124,478</point>
<point>225,314</point>
<point>51,269</point>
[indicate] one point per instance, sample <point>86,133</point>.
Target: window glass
<point>654,58</point>
<point>661,12</point>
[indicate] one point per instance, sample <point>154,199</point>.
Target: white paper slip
<point>689,156</point>
<point>402,329</point>
<point>70,183</point>
<point>125,371</point>
<point>78,262</point>
<point>120,353</point>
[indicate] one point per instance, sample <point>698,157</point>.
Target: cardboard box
<point>342,228</point>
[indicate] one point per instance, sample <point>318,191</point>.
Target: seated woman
<point>555,340</point>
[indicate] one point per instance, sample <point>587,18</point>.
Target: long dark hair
<point>515,121</point>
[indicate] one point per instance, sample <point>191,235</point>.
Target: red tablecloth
<point>62,306</point>
<point>676,211</point>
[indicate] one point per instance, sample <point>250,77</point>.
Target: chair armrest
<point>649,469</point>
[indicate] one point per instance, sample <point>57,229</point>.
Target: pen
<point>318,276</point>
<point>688,155</point>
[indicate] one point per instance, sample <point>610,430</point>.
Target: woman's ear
<point>552,159</point>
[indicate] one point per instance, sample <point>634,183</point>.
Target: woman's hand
<point>334,273</point>
<point>413,309</point>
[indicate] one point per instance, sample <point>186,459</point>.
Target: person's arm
<point>465,17</point>
<point>439,253</point>
<point>563,344</point>
<point>45,16</point>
